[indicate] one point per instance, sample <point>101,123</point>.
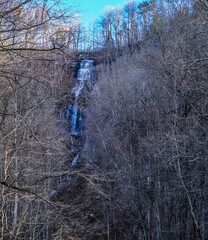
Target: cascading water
<point>73,114</point>
<point>85,74</point>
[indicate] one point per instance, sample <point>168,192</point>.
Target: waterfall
<point>72,118</point>
<point>73,113</point>
<point>85,73</point>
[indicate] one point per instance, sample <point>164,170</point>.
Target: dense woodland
<point>143,175</point>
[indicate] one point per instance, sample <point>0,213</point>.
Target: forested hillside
<point>36,44</point>
<point>136,131</point>
<point>147,121</point>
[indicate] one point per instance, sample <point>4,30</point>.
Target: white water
<point>73,115</point>
<point>84,75</point>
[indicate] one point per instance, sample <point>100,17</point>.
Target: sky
<point>91,9</point>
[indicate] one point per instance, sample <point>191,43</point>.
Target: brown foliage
<point>147,129</point>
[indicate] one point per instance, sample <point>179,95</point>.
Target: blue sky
<point>92,9</point>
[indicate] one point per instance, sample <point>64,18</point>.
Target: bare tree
<point>30,141</point>
<point>147,129</point>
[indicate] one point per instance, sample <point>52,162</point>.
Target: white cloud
<point>76,18</point>
<point>110,8</point>
<point>76,15</point>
